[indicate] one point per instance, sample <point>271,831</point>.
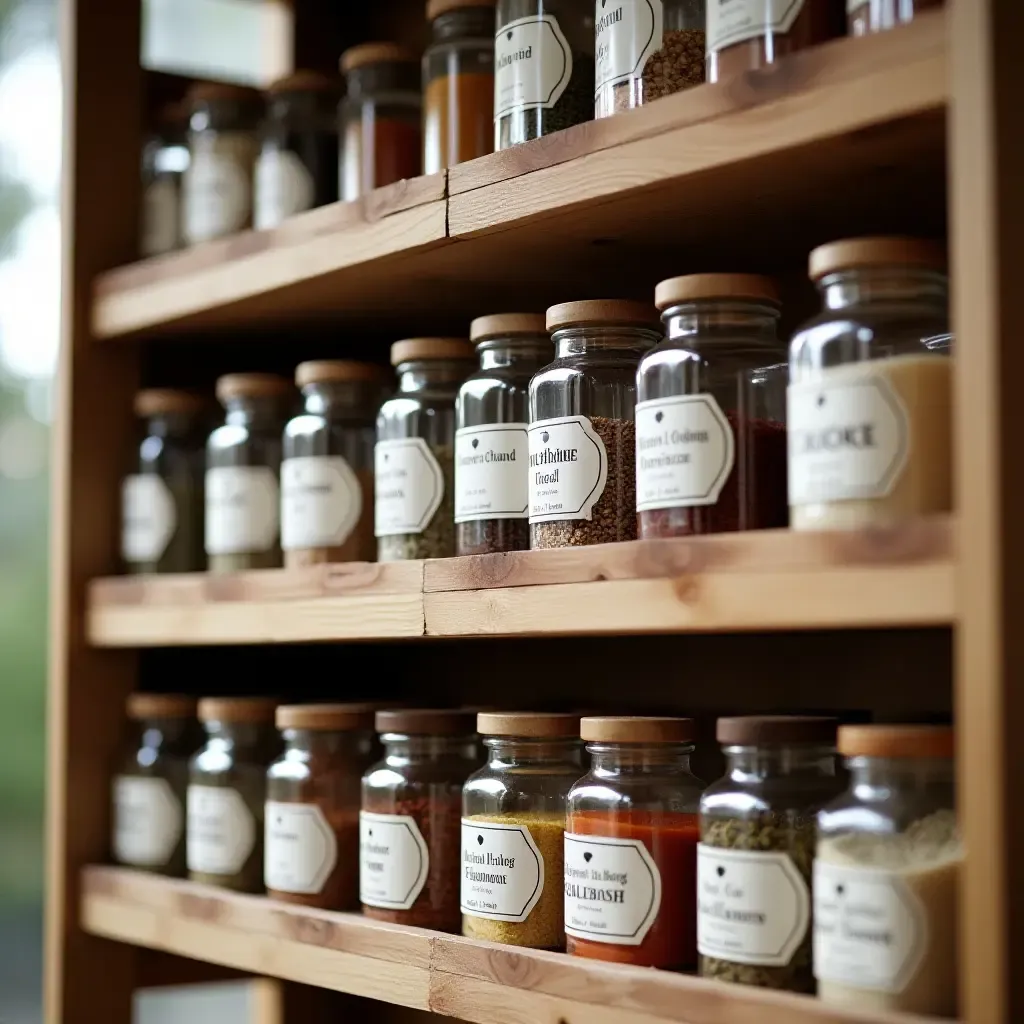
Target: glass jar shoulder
<point>667,793</point>
<point>292,767</point>
<point>233,444</point>
<point>311,434</point>
<point>753,798</point>
<point>493,396</point>
<point>426,414</point>
<point>494,790</point>
<point>569,387</point>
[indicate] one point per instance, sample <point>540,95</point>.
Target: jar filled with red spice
<point>411,819</point>
<point>710,415</point>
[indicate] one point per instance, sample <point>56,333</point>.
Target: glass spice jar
<point>409,852</point>
<point>414,458</point>
<point>513,827</point>
<point>458,83</point>
<point>491,423</point>
<point>162,503</point>
<point>164,162</point>
<point>582,441</point>
<point>866,16</point>
<point>327,467</point>
<point>297,168</point>
<point>311,847</point>
<point>869,405</point>
<point>887,874</point>
<point>756,848</point>
<point>227,792</point>
<point>149,788</point>
<point>380,118</point>
<point>631,845</point>
<point>711,410</point>
<point>243,462</point>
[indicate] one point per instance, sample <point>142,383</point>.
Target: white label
<point>149,517</point>
<point>846,441</point>
<point>284,187</point>
<point>502,871</point>
<point>626,36</point>
<point>612,889</point>
<point>221,830</point>
<point>492,472</point>
<point>870,930</point>
<point>161,216</point>
<point>217,195</point>
<point>532,64</point>
<point>752,908</point>
<point>568,469</point>
<point>735,21</point>
<point>242,509</point>
<point>321,502</point>
<point>408,485</point>
<point>148,821</point>
<point>685,451</point>
<point>300,849</point>
<point>393,860</point>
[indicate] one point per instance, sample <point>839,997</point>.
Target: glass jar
<point>409,844</point>
<point>162,503</point>
<point>223,141</point>
<point>711,410</point>
<point>582,434</point>
<point>414,458</point>
<point>887,873</point>
<point>513,827</point>
<point>297,168</point>
<point>491,422</point>
<point>311,852</point>
<point>646,51</point>
<point>227,792</point>
<point>243,462</point>
<point>756,848</point>
<point>869,407</point>
<point>458,83</point>
<point>631,845</point>
<point>544,68</point>
<point>380,118</point>
<point>866,16</point>
<point>164,162</point>
<point>327,468</point>
<point>149,788</point>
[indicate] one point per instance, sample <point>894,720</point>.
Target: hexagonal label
<point>321,502</point>
<point>300,848</point>
<point>221,830</point>
<point>393,860</point>
<point>148,821</point>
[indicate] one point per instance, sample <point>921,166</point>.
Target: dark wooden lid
<point>775,730</point>
<point>326,717</point>
<point>255,710</point>
<point>426,721</point>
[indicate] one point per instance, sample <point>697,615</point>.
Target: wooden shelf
<point>445,974</point>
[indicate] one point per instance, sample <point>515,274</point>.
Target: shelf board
<point>756,581</point>
<point>445,974</point>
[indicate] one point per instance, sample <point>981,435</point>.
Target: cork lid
<point>325,717</point>
<point>256,710</point>
<point>426,721</point>
<point>140,706</point>
<point>212,92</point>
<point>430,348</point>
<point>338,369</point>
<point>305,81</point>
<point>435,8</point>
<point>161,401</point>
<point>376,53</point>
<point>602,311</point>
<point>638,729</point>
<point>499,325</point>
<point>252,385</point>
<point>769,730</point>
<point>891,251</point>
<point>896,741</point>
<point>715,286</point>
<point>528,724</point>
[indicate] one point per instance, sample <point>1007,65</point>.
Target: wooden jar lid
<point>881,251</point>
<point>602,311</point>
<point>426,721</point>
<point>326,717</point>
<point>430,348</point>
<point>140,706</point>
<point>528,724</point>
<point>321,371</point>
<point>252,385</point>
<point>435,8</point>
<point>896,741</point>
<point>638,729</point>
<point>775,730</point>
<point>254,710</point>
<point>715,286</point>
<point>499,325</point>
<point>376,53</point>
<point>305,81</point>
<point>161,401</point>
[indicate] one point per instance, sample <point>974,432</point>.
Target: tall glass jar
<point>243,462</point>
<point>458,83</point>
<point>491,424</point>
<point>327,467</point>
<point>711,410</point>
<point>164,162</point>
<point>311,850</point>
<point>582,434</point>
<point>149,788</point>
<point>162,502</point>
<point>513,827</point>
<point>380,117</point>
<point>869,406</point>
<point>414,458</point>
<point>227,792</point>
<point>410,855</point>
<point>756,849</point>
<point>887,875</point>
<point>866,16</point>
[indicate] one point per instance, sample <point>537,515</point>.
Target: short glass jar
<point>327,467</point>
<point>757,843</point>
<point>227,791</point>
<point>380,117</point>
<point>149,787</point>
<point>582,431</point>
<point>297,168</point>
<point>414,458</point>
<point>243,463</point>
<point>223,142</point>
<point>513,827</point>
<point>164,162</point>
<point>458,83</point>
<point>631,837</point>
<point>711,410</point>
<point>646,51</point>
<point>410,853</point>
<point>866,16</point>
<point>311,848</point>
<point>162,502</point>
<point>491,434</point>
<point>869,405</point>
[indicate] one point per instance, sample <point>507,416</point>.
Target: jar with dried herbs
<point>164,162</point>
<point>866,16</point>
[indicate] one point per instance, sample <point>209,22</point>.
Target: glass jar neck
<point>403,748</point>
<point>639,758</point>
<point>505,752</point>
<point>341,398</point>
<point>171,424</point>
<point>874,776</point>
<point>793,760</point>
<point>322,741</point>
<point>527,354</point>
<point>242,735</point>
<point>160,732</point>
<point>463,23</point>
<point>575,341</point>
<point>250,411</point>
<point>372,80</point>
<point>310,103</point>
<point>856,287</point>
<point>422,374</point>
<point>702,323</point>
